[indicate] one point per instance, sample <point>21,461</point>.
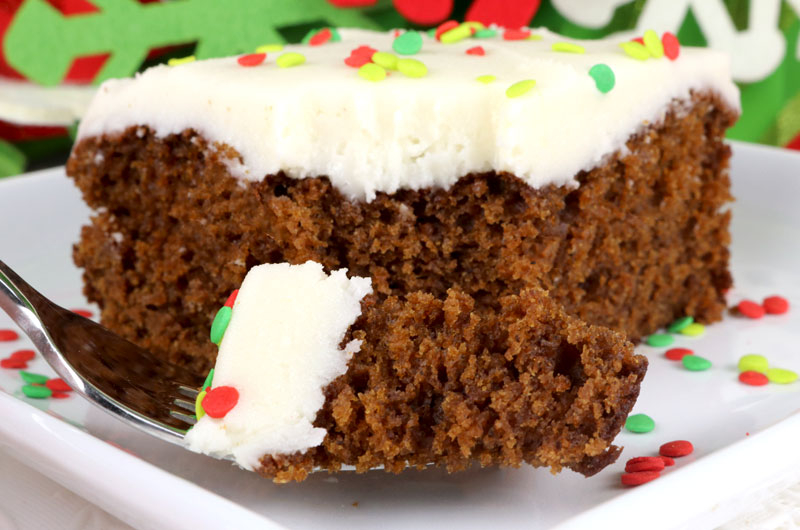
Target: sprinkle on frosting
<point>516,34</point>
<point>635,50</point>
<point>443,28</point>
<point>603,77</point>
<point>177,61</point>
<point>487,33</point>
<point>290,59</point>
<point>385,60</point>
<point>456,34</point>
<point>408,43</point>
<point>476,50</point>
<point>485,79</point>
<point>269,48</point>
<point>653,44</point>
<point>520,88</point>
<point>219,401</point>
<point>412,68</point>
<point>372,72</point>
<point>672,47</point>
<point>567,47</point>
<point>251,59</point>
<point>220,324</point>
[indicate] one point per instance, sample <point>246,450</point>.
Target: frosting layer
<point>321,118</point>
<point>280,349</point>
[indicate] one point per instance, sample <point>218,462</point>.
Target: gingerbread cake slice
<point>316,371</point>
<point>594,171</point>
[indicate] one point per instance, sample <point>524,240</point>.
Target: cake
<point>472,168</point>
<point>326,374</point>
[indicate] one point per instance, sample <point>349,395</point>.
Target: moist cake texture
<point>430,381</point>
<point>587,215</point>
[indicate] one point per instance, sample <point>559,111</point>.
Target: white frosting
<point>280,349</point>
<point>321,118</point>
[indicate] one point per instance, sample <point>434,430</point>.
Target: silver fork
<point>124,380</point>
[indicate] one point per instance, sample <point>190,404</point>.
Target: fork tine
<point>191,420</point>
<point>186,405</point>
<point>188,392</point>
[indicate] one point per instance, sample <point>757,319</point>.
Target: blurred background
<point>54,53</point>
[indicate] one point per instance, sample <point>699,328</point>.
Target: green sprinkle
<point>310,34</point>
<point>432,33</point>
<point>520,88</point>
<point>680,324</point>
<point>640,423</point>
<point>335,36</point>
<point>198,405</point>
<point>269,48</point>
<point>603,77</point>
<point>220,324</point>
<point>635,50</point>
<point>177,61</point>
<point>372,72</point>
<point>753,363</point>
<point>485,79</point>
<point>209,380</point>
<point>693,330</point>
<point>30,377</point>
<point>695,363</point>
<point>660,340</point>
<point>456,34</point>
<point>412,68</point>
<point>37,392</point>
<point>386,60</point>
<point>289,59</point>
<point>485,33</point>
<point>653,44</point>
<point>408,43</point>
<point>567,47</point>
<point>781,376</point>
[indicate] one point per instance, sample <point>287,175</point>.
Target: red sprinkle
<point>23,355</point>
<point>445,27</point>
<point>672,47</point>
<point>644,463</point>
<point>750,309</point>
<point>251,59</point>
<point>677,354</point>
<point>753,378</point>
<point>676,449</point>
<point>668,461</point>
<point>232,298</point>
<point>775,305</point>
<point>220,400</point>
<point>516,34</point>
<point>59,395</point>
<point>13,364</point>
<point>639,477</point>
<point>357,61</point>
<point>476,50</point>
<point>58,385</point>
<point>640,40</point>
<point>83,312</point>
<point>7,335</point>
<point>363,50</point>
<point>321,37</point>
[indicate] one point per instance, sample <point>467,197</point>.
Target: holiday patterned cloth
<point>82,42</point>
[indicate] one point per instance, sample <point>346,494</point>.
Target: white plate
<point>745,437</point>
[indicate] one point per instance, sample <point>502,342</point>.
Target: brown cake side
<point>438,382</point>
<point>642,239</point>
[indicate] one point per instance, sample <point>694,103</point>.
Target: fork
<point>114,374</point>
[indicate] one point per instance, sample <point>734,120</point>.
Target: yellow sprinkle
<point>456,34</point>
<point>533,36</point>
<point>372,72</point>
<point>653,44</point>
<point>269,48</point>
<point>520,88</point>
<point>781,376</point>
<point>181,60</point>
<point>568,47</point>
<point>635,50</point>
<point>693,330</point>
<point>198,405</point>
<point>485,79</point>
<point>387,60</point>
<point>412,68</point>
<point>289,59</point>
